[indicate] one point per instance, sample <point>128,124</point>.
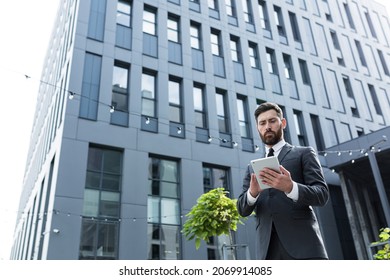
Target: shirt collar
<point>277,147</point>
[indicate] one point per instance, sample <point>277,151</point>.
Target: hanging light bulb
<point>235,144</point>
<point>210,139</point>
<point>257,147</point>
<point>71,95</point>
<point>147,121</point>
<point>112,109</point>
<point>178,130</point>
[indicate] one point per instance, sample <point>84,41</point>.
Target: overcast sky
<point>25,29</point>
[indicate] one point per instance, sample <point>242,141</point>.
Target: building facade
<point>145,105</point>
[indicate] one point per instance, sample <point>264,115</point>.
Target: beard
<point>271,137</point>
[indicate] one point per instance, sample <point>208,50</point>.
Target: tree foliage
<point>214,214</point>
<point>384,253</point>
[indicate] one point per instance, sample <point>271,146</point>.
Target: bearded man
<point>287,227</point>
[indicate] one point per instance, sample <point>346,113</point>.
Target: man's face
<point>270,127</point>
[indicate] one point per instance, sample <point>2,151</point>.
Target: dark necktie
<point>270,152</point>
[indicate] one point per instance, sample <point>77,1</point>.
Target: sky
<point>25,29</point>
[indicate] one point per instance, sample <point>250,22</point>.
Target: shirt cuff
<point>251,200</point>
<point>294,194</point>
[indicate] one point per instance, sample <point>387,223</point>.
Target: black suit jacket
<point>294,221</point>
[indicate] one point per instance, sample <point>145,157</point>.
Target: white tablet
<point>259,164</point>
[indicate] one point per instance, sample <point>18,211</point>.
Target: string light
<point>182,215</point>
<point>373,149</point>
<point>72,95</point>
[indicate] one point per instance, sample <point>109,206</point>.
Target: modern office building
<point>144,105</point>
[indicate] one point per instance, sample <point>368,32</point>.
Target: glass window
<point>246,6</point>
<point>243,116</point>
<point>288,68</point>
<point>99,240</point>
<point>175,107</point>
<point>300,128</point>
<point>375,99</point>
<point>163,209</point>
<point>149,22</point>
<point>234,50</point>
<point>215,177</point>
<point>279,21</point>
<point>97,19</point>
<point>173,29</point>
<point>349,16</point>
<point>370,25</point>
<point>195,36</point>
<point>221,112</point>
<point>148,95</point>
<point>317,130</point>
<point>253,55</point>
<point>304,72</point>
<point>215,43</point>
<point>123,15</point>
<point>199,106</point>
<point>271,62</point>
<point>361,54</point>
<point>264,21</point>
<point>212,4</point>
<point>119,88</point>
<point>294,27</point>
<point>101,211</point>
<point>90,88</point>
<point>384,64</point>
<point>230,9</point>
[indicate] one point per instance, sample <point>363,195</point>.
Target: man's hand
<point>254,187</point>
<point>278,180</point>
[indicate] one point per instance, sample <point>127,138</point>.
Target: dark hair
<point>263,107</point>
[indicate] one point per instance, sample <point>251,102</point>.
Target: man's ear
<point>284,123</point>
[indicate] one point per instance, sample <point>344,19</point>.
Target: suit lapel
<point>285,150</point>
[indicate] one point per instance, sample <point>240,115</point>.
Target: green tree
<point>384,238</point>
<point>213,214</point>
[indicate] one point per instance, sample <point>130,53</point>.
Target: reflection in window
<point>101,211</point>
<point>149,21</point>
<point>163,210</point>
<point>199,106</point>
<point>119,87</point>
<point>215,177</point>
<point>148,94</point>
